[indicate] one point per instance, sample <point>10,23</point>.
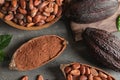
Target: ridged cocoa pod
<point>87,11</point>
<point>104,46</point>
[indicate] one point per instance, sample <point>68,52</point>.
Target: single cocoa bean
<point>59,2</point>
<point>37,2</point>
<point>19,16</point>
<point>15,20</point>
<point>9,17</point>
<point>75,72</point>
<point>51,4</point>
<point>94,72</point>
<point>36,19</point>
<point>82,69</point>
<point>43,17</point>
<point>23,4</point>
<point>20,22</point>
<point>11,8</point>
<point>87,71</point>
<point>90,77</point>
<point>96,78</point>
<point>31,6</point>
<point>50,18</point>
<point>22,11</point>
<point>67,69</point>
<point>34,12</point>
<point>2,2</point>
<point>30,24</point>
<point>76,66</point>
<point>40,23</point>
<point>83,77</point>
<point>14,3</point>
<point>101,74</point>
<point>46,14</point>
<point>69,77</point>
<point>55,9</point>
<point>40,77</point>
<point>48,9</point>
<point>29,19</point>
<point>25,78</point>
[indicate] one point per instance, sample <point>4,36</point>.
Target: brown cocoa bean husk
<point>27,58</point>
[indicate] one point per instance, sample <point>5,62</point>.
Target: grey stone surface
<point>74,52</point>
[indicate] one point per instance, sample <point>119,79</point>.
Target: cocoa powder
<point>37,52</point>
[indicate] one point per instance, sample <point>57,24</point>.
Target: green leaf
<point>118,23</point>
<point>2,55</point>
<point>4,41</point>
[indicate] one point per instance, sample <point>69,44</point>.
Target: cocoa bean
<point>34,12</point>
<point>50,18</point>
<point>75,72</point>
<point>67,69</point>
<point>14,3</point>
<point>23,4</point>
<point>83,77</point>
<point>37,2</point>
<point>69,77</point>
<point>19,16</point>
<point>2,2</point>
<point>9,17</point>
<point>29,19</point>
<point>76,66</point>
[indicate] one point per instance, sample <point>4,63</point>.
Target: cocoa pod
<point>104,46</point>
<point>87,11</point>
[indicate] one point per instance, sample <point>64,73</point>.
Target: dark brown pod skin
<point>104,46</point>
<point>88,11</point>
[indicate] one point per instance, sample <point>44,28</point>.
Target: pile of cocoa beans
<point>31,12</point>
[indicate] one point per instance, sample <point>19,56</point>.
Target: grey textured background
<point>74,52</point>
